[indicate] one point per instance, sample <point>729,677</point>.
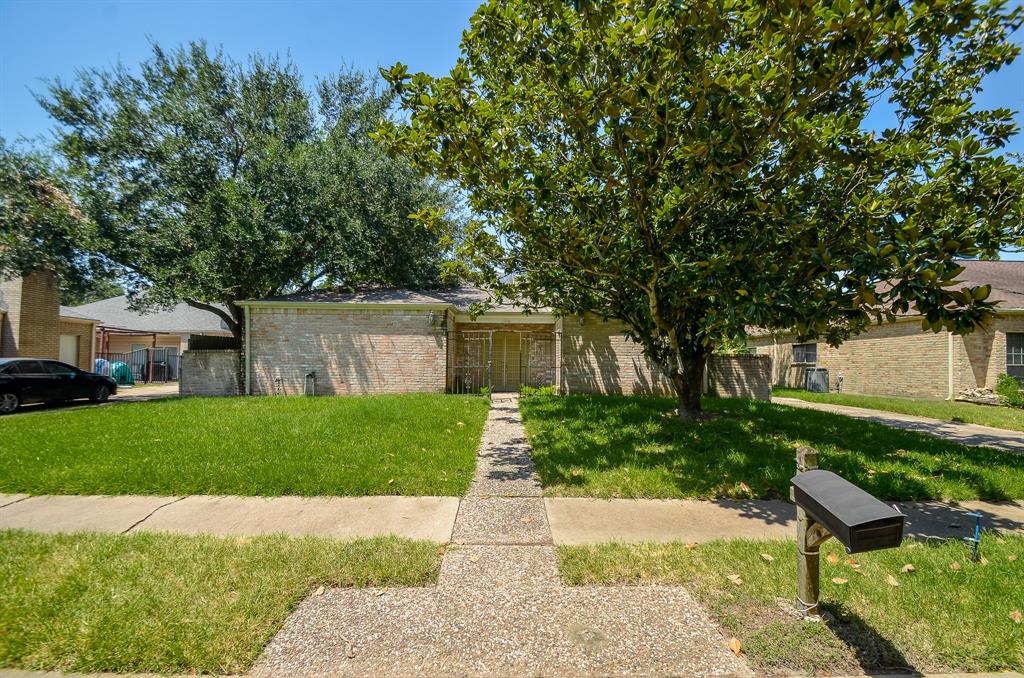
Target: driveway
<point>146,392</point>
<point>965,434</point>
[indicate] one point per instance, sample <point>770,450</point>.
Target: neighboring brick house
<point>388,341</point>
<point>34,324</point>
<point>901,359</point>
<point>149,343</point>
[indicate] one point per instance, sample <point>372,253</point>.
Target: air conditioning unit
<point>816,379</point>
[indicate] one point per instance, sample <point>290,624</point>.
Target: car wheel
<point>9,402</point>
<point>100,395</point>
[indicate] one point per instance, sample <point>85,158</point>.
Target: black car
<point>31,380</point>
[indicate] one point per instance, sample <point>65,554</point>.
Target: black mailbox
<point>851,515</point>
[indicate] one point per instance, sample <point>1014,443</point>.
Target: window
<point>29,367</point>
<point>59,369</point>
<point>805,353</point>
<point>1015,355</point>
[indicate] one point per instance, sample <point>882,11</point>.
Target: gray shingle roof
<point>1005,277</point>
<point>182,319</point>
<point>68,312</point>
<point>461,297</point>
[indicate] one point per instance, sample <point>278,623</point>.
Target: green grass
<point>174,604</point>
<point>362,445</point>
<point>936,619</point>
<point>969,413</point>
<point>631,446</point>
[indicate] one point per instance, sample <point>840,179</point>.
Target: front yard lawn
<point>415,444</point>
<point>631,446</point>
<point>174,604</point>
<point>984,415</point>
<point>947,614</point>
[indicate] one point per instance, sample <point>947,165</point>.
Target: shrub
<point>1009,392</point>
<point>536,390</point>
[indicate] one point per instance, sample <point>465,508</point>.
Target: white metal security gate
<point>501,360</point>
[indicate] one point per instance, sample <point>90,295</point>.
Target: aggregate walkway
<point>499,608</point>
<point>965,434</point>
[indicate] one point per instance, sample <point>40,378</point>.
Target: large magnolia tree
<point>208,181</point>
<point>697,167</point>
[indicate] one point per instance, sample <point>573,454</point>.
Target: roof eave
<point>423,306</point>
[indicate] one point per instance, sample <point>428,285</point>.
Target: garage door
<point>69,349</point>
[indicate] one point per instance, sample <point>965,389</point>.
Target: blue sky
<point>52,38</point>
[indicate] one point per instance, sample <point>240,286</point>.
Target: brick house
<point>149,343</point>
<point>34,324</point>
<point>393,340</point>
<point>901,359</point>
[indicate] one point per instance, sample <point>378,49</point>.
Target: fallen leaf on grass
<point>1016,616</point>
<point>735,579</point>
<point>734,645</point>
<point>832,558</point>
<point>891,580</point>
<point>690,545</point>
<point>907,568</point>
<point>852,563</point>
<point>955,567</point>
<point>767,557</point>
<point>839,580</point>
<point>319,592</point>
<point>984,560</point>
<point>1011,557</point>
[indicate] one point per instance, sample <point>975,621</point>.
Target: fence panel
<point>141,365</point>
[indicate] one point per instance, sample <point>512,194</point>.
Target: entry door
<point>506,365</point>
<point>69,349</point>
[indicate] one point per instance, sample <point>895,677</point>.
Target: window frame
<point>804,347</point>
<point>1015,355</point>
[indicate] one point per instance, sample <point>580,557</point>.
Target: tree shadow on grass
<point>582,441</point>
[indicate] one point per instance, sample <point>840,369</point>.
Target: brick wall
<point>980,357</point>
<point>32,315</point>
<point>352,351</point>
<point>901,359</point>
<point>595,357</point>
<point>84,332</point>
<point>209,373</point>
<point>740,376</point>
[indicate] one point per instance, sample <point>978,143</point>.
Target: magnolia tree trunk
<point>688,382</point>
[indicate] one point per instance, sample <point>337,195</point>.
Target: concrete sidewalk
<point>965,434</point>
<point>488,510</point>
<point>429,518</point>
<point>593,521</point>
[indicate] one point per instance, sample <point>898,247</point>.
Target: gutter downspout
<point>949,365</point>
<point>248,354</point>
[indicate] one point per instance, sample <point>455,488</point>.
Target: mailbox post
<point>808,544</point>
<point>828,506</point>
